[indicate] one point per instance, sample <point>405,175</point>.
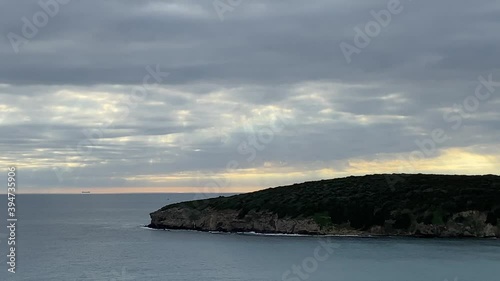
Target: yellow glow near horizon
<point>126,190</point>
<point>450,161</point>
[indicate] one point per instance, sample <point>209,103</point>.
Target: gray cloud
<point>266,58</point>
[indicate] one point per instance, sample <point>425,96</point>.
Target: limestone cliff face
<point>227,220</point>
<point>463,224</point>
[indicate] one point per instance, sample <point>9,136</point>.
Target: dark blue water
<point>100,237</point>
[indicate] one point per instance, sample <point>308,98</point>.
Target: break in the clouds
<point>241,95</point>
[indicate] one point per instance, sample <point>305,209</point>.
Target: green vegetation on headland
<point>392,204</point>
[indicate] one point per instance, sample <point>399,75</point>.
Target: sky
<point>241,95</point>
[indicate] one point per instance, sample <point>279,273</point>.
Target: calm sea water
<point>101,237</point>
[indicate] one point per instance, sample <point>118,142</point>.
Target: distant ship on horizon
<point>85,192</point>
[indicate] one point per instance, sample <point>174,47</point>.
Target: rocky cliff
<point>463,224</point>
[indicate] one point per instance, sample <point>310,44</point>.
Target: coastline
<point>291,235</point>
<point>472,224</point>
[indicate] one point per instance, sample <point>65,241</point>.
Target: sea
<point>104,238</point>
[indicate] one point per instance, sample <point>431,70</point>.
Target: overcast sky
<point>258,93</point>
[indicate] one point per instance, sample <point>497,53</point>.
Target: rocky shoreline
<point>464,224</point>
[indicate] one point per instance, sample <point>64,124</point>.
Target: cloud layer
<point>264,97</point>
